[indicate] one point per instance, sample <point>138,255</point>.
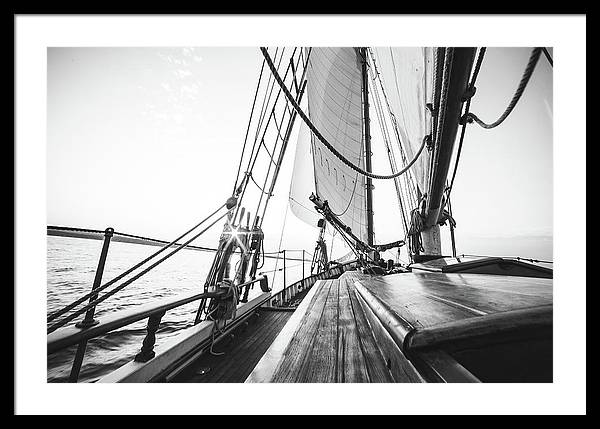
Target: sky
<point>147,141</point>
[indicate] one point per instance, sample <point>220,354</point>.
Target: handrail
<point>521,320</point>
<point>135,267</point>
<point>70,335</point>
<point>319,276</point>
<point>96,234</point>
<point>108,294</point>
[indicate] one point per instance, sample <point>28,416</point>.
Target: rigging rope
<point>288,129</point>
<point>415,242</point>
<point>548,57</point>
<point>248,128</point>
<point>254,154</point>
<point>469,95</point>
<point>533,60</point>
<point>139,264</point>
<point>110,293</point>
<point>280,240</point>
<point>386,139</point>
<point>352,247</point>
<point>408,179</point>
<point>323,140</point>
<point>510,257</point>
<point>257,185</point>
<point>280,269</point>
<point>452,224</point>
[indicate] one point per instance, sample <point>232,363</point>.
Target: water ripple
<point>71,267</point>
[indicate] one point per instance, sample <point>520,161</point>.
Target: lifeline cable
<point>108,294</point>
<point>139,264</point>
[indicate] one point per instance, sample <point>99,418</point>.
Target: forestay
<point>407,75</point>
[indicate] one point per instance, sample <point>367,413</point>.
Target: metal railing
<point>284,297</point>
<point>80,333</point>
<point>61,335</point>
<point>108,234</point>
<point>96,234</point>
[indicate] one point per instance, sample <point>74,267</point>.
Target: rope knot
<point>446,216</point>
<point>429,142</point>
<point>469,93</point>
<point>433,111</point>
<point>467,118</point>
<point>231,202</point>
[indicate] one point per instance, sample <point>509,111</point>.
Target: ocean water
<point>71,267</point>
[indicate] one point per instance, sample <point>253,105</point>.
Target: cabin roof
<point>484,265</point>
<point>361,328</point>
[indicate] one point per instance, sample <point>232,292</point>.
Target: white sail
<point>407,76</point>
<point>303,179</point>
<point>334,93</point>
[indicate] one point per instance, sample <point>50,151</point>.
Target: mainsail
<point>407,78</point>
<point>334,93</point>
<point>303,179</point>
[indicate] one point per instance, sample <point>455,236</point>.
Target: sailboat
<point>360,318</point>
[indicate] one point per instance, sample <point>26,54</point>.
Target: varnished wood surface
<point>335,342</point>
<point>429,299</point>
<point>241,353</point>
<point>484,265</point>
<point>352,329</point>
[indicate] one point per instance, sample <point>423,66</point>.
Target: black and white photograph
<point>247,206</point>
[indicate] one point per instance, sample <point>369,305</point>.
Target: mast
<point>459,70</point>
<point>367,132</point>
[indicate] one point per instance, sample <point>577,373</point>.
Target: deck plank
<point>235,368</point>
<point>334,342</point>
<point>429,299</point>
<point>352,366</point>
<point>241,354</point>
<point>321,362</point>
<point>338,338</point>
<point>295,353</point>
<point>374,360</point>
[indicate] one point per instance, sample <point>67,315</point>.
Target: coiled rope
<point>533,60</point>
<point>322,139</point>
<point>415,242</point>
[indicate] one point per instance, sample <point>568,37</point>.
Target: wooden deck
<point>360,328</point>
<point>241,353</point>
<point>331,340</point>
<point>429,299</point>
